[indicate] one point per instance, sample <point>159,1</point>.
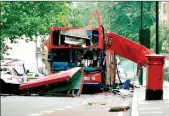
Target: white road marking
<point>144,102</point>
<point>134,111</point>
<point>48,111</point>
<point>149,108</point>
<point>120,114</point>
<point>135,100</point>
<point>35,115</point>
<point>151,112</point>
<point>68,107</point>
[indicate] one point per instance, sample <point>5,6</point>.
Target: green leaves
<point>163,39</point>
<point>124,18</point>
<point>32,18</point>
<point>28,18</point>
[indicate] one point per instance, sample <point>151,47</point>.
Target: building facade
<point>164,13</point>
<point>168,14</point>
<point>164,21</point>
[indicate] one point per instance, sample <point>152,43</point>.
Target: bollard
<point>154,83</point>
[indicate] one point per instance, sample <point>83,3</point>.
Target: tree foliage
<point>28,18</point>
<point>32,18</point>
<point>84,13</point>
<point>163,39</point>
<point>124,18</point>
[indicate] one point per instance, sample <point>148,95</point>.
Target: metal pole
<point>157,28</point>
<point>114,67</point>
<point>141,18</point>
<point>141,37</point>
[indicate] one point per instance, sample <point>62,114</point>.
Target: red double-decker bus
<point>69,47</point>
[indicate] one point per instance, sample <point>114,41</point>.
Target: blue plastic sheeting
<point>126,84</point>
<point>90,69</point>
<point>59,65</point>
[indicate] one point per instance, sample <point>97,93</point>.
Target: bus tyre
<point>75,92</point>
<point>105,89</point>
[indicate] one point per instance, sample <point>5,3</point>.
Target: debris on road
<point>119,109</point>
<point>89,103</point>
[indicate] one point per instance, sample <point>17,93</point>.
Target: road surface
<point>36,106</point>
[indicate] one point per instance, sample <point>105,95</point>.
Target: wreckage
<point>65,82</point>
<point>92,49</point>
<point>12,75</point>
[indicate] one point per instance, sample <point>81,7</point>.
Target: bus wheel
<point>75,92</point>
<point>106,89</point>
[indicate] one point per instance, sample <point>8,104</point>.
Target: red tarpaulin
<point>129,49</point>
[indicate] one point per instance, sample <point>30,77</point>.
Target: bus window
<point>75,37</point>
<point>90,59</point>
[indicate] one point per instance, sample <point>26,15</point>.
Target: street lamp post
<point>157,27</point>
<point>141,37</point>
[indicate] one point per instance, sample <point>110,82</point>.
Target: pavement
<point>62,106</point>
<point>142,107</point>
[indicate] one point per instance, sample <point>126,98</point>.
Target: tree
<point>124,18</point>
<point>32,18</point>
<point>83,13</point>
<point>163,39</point>
<point>28,18</point>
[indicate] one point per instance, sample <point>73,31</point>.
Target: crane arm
<point>128,49</point>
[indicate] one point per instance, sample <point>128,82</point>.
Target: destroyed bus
<point>69,47</point>
<point>93,49</point>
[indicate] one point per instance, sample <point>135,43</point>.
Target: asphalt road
<point>27,105</point>
<point>35,105</point>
